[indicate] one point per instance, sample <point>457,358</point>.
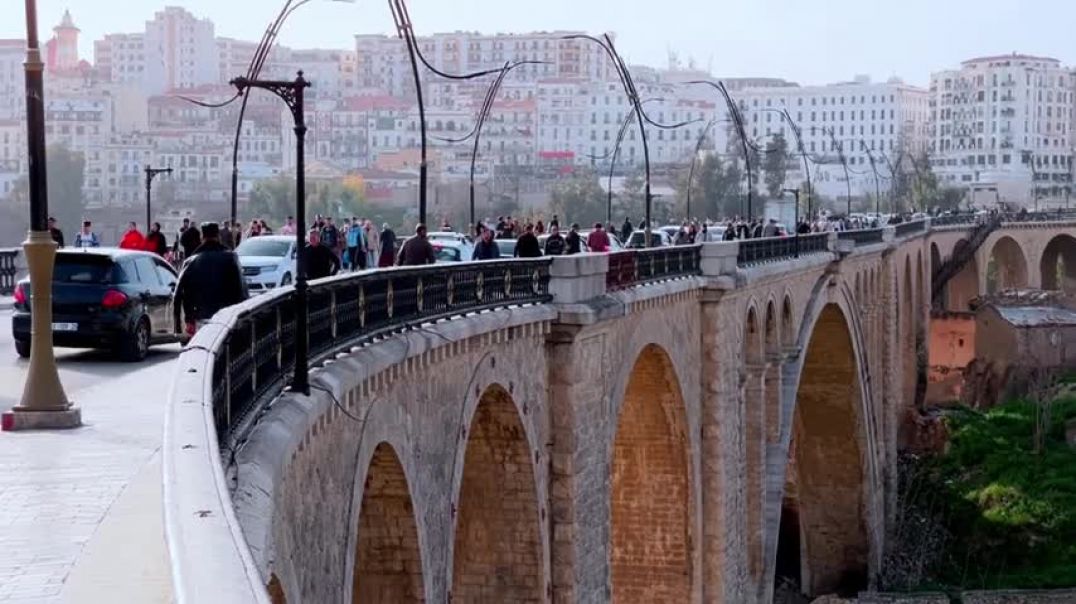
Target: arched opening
<point>964,287</point>
<point>788,333</point>
<point>498,550</point>
<point>1058,264</point>
<point>1007,267</point>
<point>771,379</point>
<point>823,545</point>
<point>651,487</point>
<point>388,565</point>
<point>907,332</point>
<point>754,391</point>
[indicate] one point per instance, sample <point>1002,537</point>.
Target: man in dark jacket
<point>321,260</point>
<point>190,238</point>
<point>626,230</point>
<point>417,250</point>
<point>486,248</point>
<point>527,246</point>
<point>211,280</point>
<point>573,240</point>
<point>57,234</point>
<point>555,244</point>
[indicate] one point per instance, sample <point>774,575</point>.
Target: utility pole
<point>152,173</point>
<point>291,92</point>
<point>44,403</point>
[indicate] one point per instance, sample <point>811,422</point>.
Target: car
<point>507,247</point>
<point>658,238</point>
<point>268,262</point>
<point>104,298</point>
<point>671,230</point>
<point>451,236</point>
<point>452,251</point>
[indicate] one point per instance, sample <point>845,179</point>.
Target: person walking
<point>289,226</point>
<point>626,229</point>
<point>321,260</point>
<point>770,230</point>
<point>554,244</point>
<point>598,240</point>
<point>373,243</point>
<point>388,246</point>
<point>189,238</point>
<point>155,241</point>
<point>227,237</point>
<point>330,236</point>
<point>486,248</point>
<point>573,241</point>
<point>527,245</point>
<point>356,246</point>
<point>57,234</point>
<point>210,281</point>
<point>86,237</point>
<point>417,250</point>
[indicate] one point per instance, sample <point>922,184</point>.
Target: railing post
<point>227,386</point>
<point>253,358</point>
<point>332,314</point>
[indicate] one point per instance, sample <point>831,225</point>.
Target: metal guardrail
<point>1025,217</point>
<point>905,229</point>
<point>258,353</point>
<point>758,251</point>
<point>862,236</point>
<point>8,270</point>
<point>638,267</point>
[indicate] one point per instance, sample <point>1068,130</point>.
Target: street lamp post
<point>291,92</point>
<point>44,403</point>
<point>737,120</point>
<point>796,192</point>
<point>152,173</point>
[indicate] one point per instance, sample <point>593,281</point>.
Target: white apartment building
<point>176,50</point>
<point>12,154</point>
<point>861,120</point>
<point>121,58</point>
<point>79,122</point>
<point>1002,127</point>
<point>382,61</point>
<point>12,78</point>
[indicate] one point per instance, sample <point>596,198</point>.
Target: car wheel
<point>286,281</point>
<point>135,345</point>
<point>23,348</point>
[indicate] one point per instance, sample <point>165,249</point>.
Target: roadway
<point>80,510</point>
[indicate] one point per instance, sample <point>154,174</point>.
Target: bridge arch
<point>1058,264</point>
<point>1006,266</point>
<point>965,286</point>
<point>388,560</point>
<point>825,542</point>
<point>497,497</point>
<point>651,501</point>
<point>788,329</point>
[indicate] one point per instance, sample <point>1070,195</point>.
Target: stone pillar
<point>754,406</point>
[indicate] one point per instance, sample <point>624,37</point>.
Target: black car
<point>111,299</point>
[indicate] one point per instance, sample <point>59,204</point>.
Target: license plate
<point>65,327</point>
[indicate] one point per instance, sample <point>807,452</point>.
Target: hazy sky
<point>809,41</point>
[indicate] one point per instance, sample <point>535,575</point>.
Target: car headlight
<point>268,270</point>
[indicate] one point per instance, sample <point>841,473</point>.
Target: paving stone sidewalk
<point>58,489</point>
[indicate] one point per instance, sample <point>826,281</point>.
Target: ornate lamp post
<point>44,404</point>
<point>291,92</point>
<point>152,173</point>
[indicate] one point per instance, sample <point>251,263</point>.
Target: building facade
<point>1002,127</point>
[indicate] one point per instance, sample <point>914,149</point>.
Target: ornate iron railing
<point>258,353</point>
<point>758,251</point>
<point>862,236</point>
<point>8,270</point>
<point>905,229</point>
<point>637,267</point>
<point>954,220</point>
<point>1046,216</point>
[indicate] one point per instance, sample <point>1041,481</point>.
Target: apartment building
<point>1002,127</point>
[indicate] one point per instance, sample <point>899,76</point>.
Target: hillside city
<point>998,129</point>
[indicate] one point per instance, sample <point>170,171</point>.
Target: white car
<point>268,262</point>
<point>450,236</point>
<point>452,251</point>
<point>658,238</point>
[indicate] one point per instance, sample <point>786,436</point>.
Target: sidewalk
<point>80,511</point>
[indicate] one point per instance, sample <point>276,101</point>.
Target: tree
<point>928,190</point>
<point>579,199</point>
<point>632,199</point>
<point>775,165</point>
<point>66,176</point>
<point>274,200</point>
<point>715,190</point>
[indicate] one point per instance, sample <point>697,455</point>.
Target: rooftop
<point>1037,316</point>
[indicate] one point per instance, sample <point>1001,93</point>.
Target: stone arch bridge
<point>675,425</point>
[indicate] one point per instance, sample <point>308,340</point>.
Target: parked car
<point>268,262</point>
<point>452,251</point>
<point>111,299</point>
<point>448,236</point>
<point>507,247</point>
<point>582,242</point>
<point>658,238</point>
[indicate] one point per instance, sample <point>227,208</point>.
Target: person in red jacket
<point>155,241</point>
<point>598,240</point>
<point>132,239</point>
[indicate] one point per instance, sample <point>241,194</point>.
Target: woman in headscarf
<point>388,246</point>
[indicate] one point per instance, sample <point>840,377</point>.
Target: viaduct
<point>672,425</point>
